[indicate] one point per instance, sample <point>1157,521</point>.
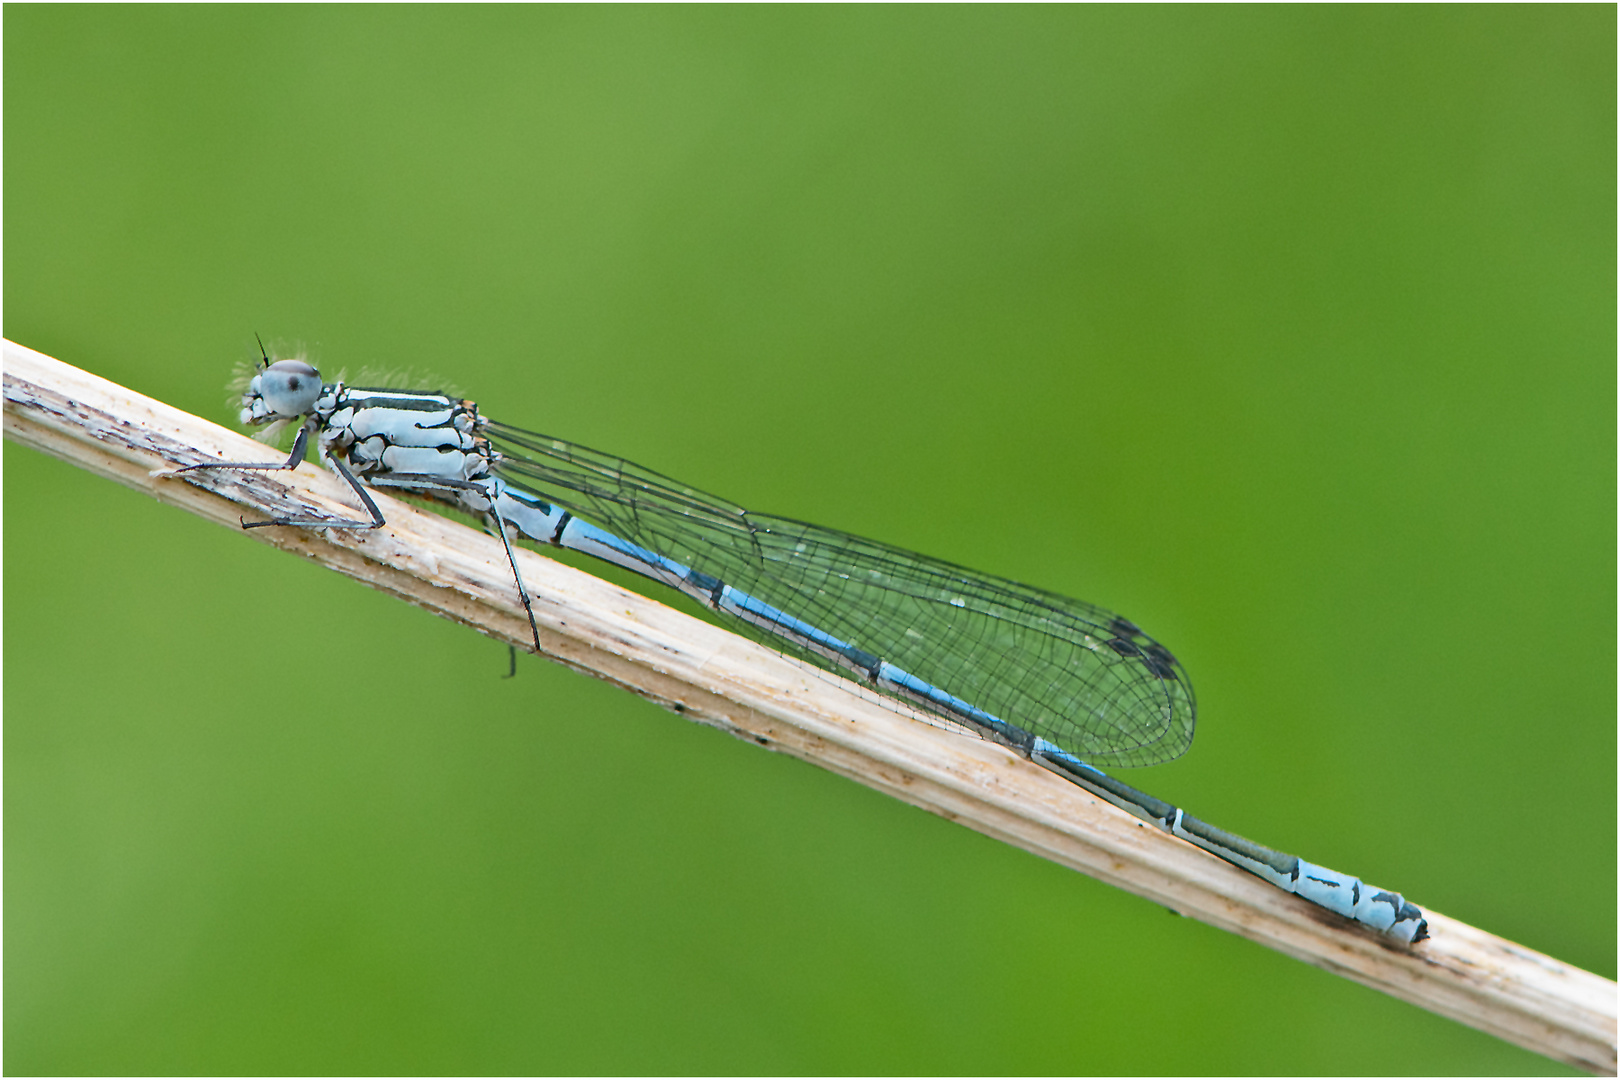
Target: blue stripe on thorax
<point>361,397</point>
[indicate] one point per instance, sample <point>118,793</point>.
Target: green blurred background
<point>1288,333</point>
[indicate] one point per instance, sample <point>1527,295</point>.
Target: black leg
<point>376,521</point>
<point>293,460</point>
<point>419,481</point>
<point>523,593</point>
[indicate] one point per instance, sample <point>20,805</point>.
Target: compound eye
<point>289,387</point>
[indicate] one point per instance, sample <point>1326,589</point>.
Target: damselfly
<point>1062,682</point>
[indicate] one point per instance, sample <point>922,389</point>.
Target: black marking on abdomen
<point>706,583</point>
<point>562,523</point>
<point>864,661</point>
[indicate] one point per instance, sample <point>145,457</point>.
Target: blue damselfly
<point>1061,682</point>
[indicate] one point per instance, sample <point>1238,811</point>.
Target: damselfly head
<point>282,391</point>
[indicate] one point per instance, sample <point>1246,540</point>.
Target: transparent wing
<point>1083,678</point>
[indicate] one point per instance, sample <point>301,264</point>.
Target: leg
<point>420,481</point>
<point>523,594</point>
<point>293,461</point>
<point>333,523</point>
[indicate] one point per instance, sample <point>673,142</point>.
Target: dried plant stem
<point>707,674</point>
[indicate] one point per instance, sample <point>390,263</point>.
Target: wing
<point>1081,677</point>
